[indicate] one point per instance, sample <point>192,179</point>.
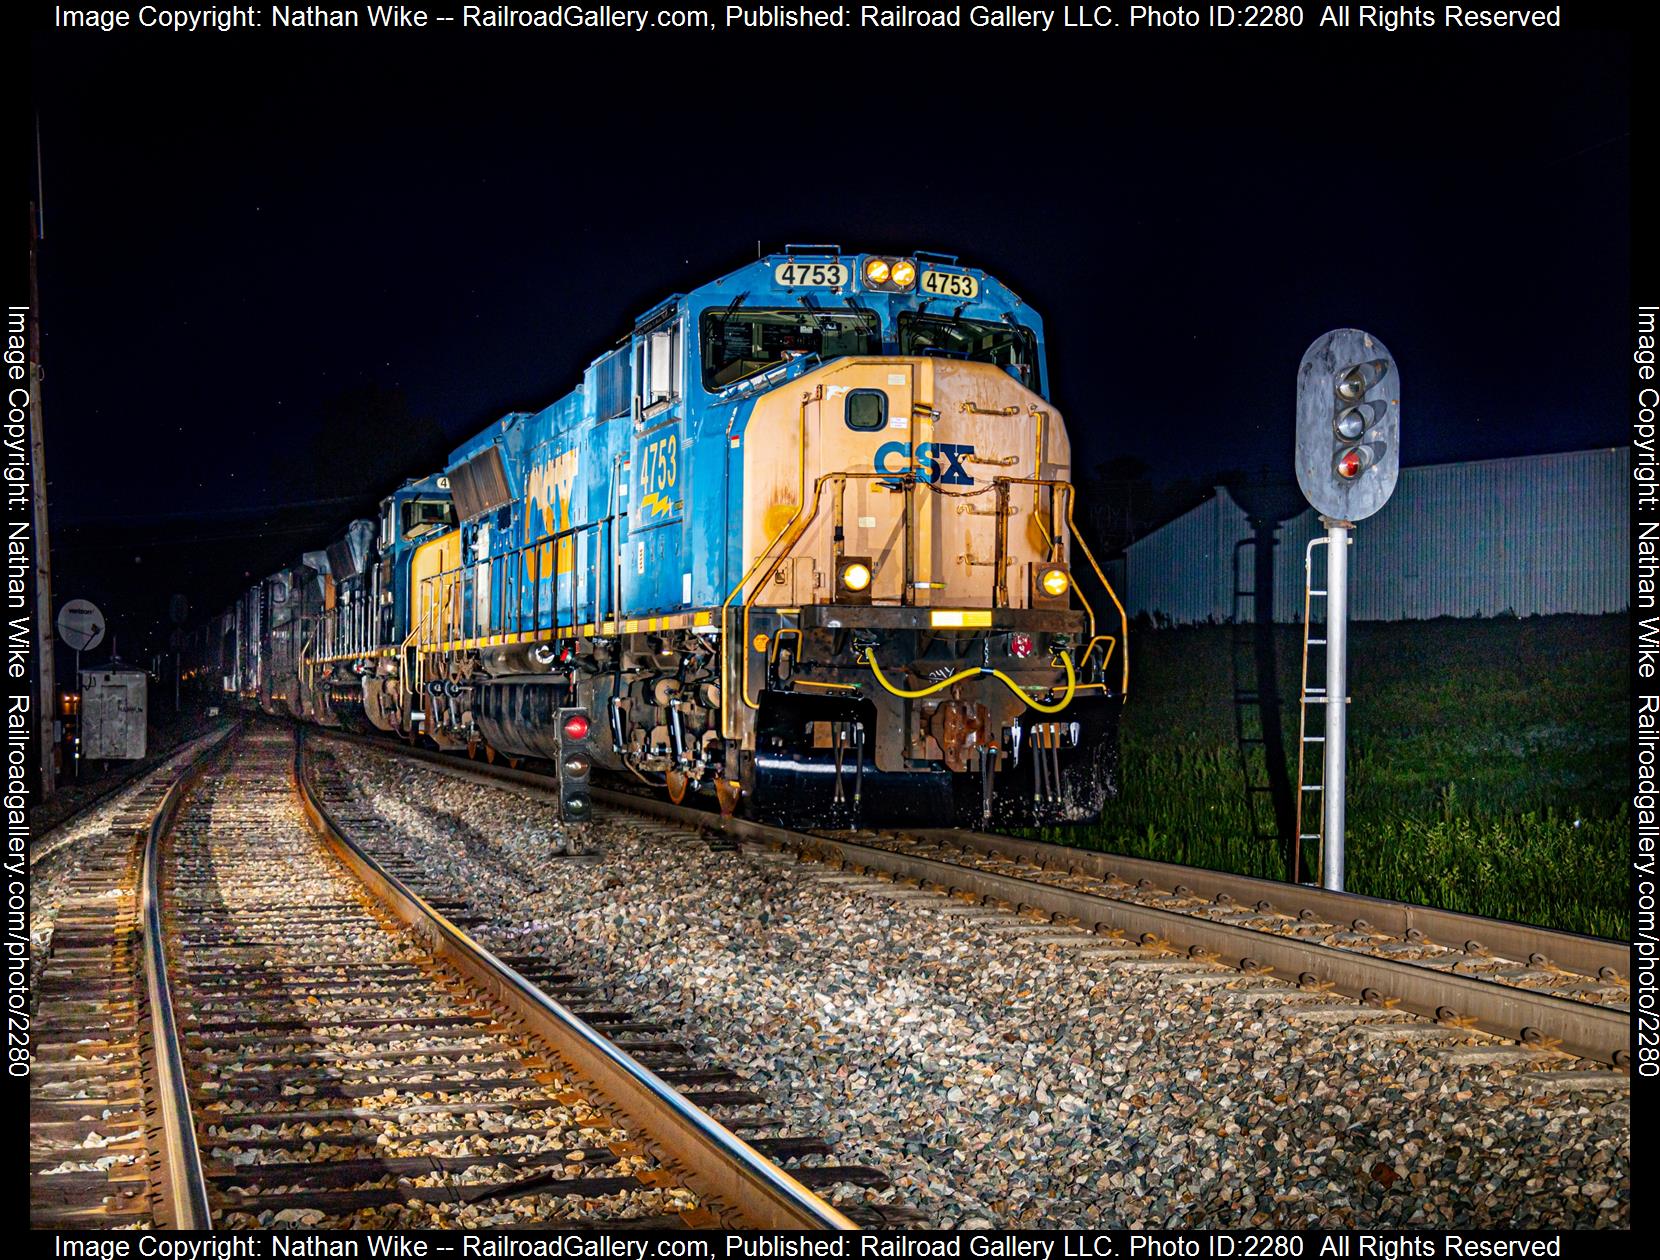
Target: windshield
<point>427,516</point>
<point>977,340</point>
<point>738,342</point>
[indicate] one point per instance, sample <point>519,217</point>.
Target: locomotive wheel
<point>727,793</point>
<point>676,781</point>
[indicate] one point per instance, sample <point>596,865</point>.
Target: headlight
<point>1054,582</point>
<point>853,577</point>
<point>904,273</point>
<point>876,270</point>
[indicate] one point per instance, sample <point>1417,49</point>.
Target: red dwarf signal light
<point>576,726</point>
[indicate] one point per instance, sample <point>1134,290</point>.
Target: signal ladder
<point>1311,787</point>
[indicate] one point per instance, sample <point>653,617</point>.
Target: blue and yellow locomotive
<point>803,541</point>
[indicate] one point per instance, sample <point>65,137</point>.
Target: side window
<point>657,360</point>
<point>867,410</point>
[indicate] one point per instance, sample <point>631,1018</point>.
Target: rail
<point>718,1164</point>
<point>183,1202</point>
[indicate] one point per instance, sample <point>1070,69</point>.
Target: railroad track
<point>328,1049</point>
<point>94,1158</point>
<point>1475,990</point>
<point>63,832</point>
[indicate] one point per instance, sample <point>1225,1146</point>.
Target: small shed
<point>113,703</point>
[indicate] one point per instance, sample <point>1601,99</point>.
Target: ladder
<point>1311,787</point>
<point>1250,728</point>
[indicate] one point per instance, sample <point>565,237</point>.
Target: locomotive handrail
<point>484,621</point>
<point>997,485</point>
<point>801,495</point>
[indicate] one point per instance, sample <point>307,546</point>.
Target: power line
<point>221,513</point>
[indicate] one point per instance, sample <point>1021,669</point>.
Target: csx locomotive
<point>803,541</point>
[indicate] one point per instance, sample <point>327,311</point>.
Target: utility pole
<point>43,543</point>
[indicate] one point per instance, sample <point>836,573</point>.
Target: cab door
<point>874,423</point>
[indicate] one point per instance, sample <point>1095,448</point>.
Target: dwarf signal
<point>576,766</point>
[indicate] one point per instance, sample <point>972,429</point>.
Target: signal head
<point>1348,425</point>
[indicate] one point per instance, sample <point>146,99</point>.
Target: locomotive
<point>802,542</point>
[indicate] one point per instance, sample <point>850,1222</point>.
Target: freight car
<point>803,541</point>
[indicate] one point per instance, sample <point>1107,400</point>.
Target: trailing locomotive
<point>803,541</point>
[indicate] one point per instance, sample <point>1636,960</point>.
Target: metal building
<point>1530,536</point>
<point>113,712</point>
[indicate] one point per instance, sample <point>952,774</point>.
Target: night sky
<point>272,288</point>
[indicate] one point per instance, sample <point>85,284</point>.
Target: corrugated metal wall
<point>1531,536</point>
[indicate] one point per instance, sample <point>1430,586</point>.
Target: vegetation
<point>1487,764</point>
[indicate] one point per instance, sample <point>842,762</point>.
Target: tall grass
<point>1487,765</point>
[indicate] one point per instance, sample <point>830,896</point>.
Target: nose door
<point>871,422</point>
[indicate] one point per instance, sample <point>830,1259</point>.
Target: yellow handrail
<point>728,710</point>
<point>976,672</point>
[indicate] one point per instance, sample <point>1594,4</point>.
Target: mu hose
<point>977,671</point>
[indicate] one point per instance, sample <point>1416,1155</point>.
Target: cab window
<point>1010,346</point>
<point>657,367</point>
<point>738,342</point>
<point>426,516</point>
<point>867,410</point>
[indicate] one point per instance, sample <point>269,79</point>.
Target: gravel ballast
<point>1011,1077</point>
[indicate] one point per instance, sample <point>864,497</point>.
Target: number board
<point>810,275</point>
<point>950,284</point>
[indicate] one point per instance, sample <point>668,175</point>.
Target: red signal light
<point>1349,465</point>
<point>576,726</point>
<point>1020,645</point>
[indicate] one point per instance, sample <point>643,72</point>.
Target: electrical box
<point>113,713</point>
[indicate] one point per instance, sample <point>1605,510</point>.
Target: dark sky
<point>247,255</point>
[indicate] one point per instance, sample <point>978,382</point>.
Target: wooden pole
<point>43,546</point>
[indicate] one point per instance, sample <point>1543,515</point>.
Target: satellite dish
<point>80,625</point>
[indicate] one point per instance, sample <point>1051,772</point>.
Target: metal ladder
<point>1311,699</point>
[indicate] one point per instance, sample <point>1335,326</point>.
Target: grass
<point>1487,764</point>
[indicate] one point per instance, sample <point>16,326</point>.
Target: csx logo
<point>938,463</point>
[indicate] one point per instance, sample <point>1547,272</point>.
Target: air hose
<point>1066,698</point>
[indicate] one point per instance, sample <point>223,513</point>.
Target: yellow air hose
<point>1066,698</point>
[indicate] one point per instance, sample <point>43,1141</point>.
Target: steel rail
<point>1476,935</point>
<point>715,1162</point>
<point>128,781</point>
<point>183,1200</point>
<point>1598,1033</point>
